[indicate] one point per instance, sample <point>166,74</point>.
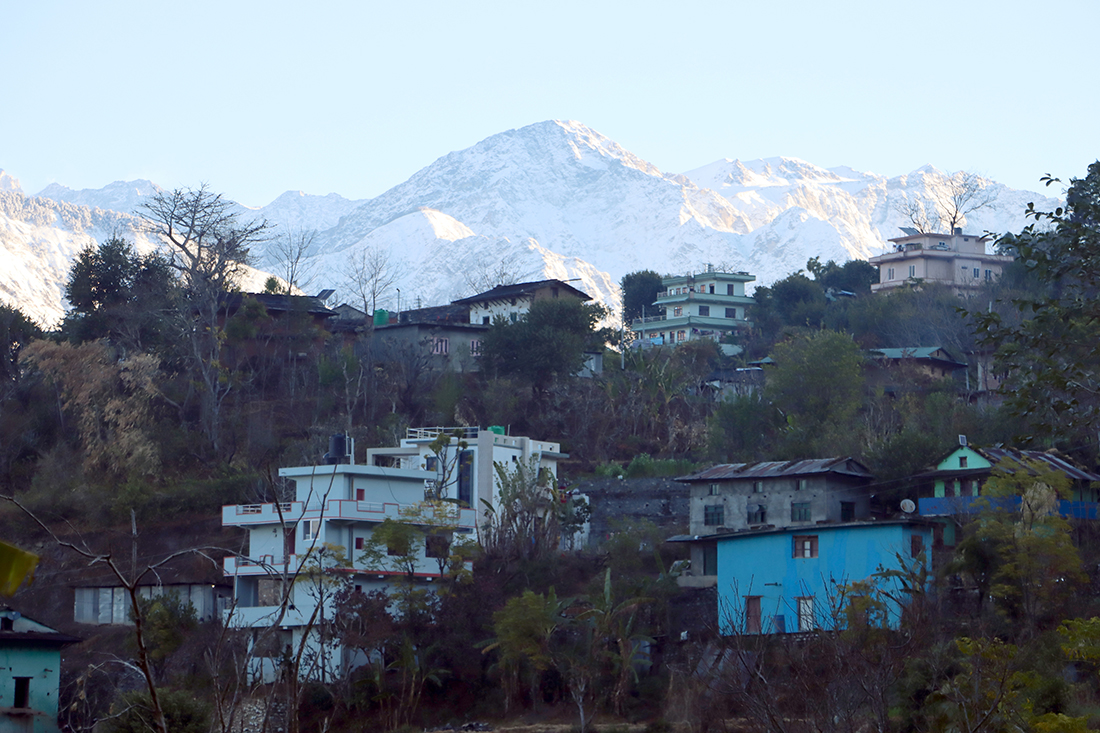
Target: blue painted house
<point>784,580</point>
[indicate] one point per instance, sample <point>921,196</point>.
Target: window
<point>912,270</point>
<point>989,274</point>
<point>962,461</point>
<point>712,289</point>
<point>512,317</point>
<point>466,478</point>
<point>713,490</point>
<point>310,528</point>
<point>714,515</point>
<point>440,346</point>
<point>731,313</point>
<point>889,273</point>
<point>681,335</point>
<point>358,543</point>
<point>916,545</point>
<point>475,347</point>
<point>704,310</point>
<point>847,511</point>
<point>22,698</point>
<point>757,514</point>
<point>485,320</point>
<point>752,614</point>
<point>431,463</point>
<point>805,546</point>
<point>806,620</point>
<point>975,273</point>
<point>710,558</point>
<point>757,487</point>
<point>729,289</point>
<point>360,494</point>
<point>801,484</point>
<point>800,511</point>
<point>437,546</point>
<point>7,624</point>
<point>677,311</point>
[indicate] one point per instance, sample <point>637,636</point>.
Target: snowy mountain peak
<point>122,196</point>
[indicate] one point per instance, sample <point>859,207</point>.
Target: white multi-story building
<point>958,260</point>
<point>464,468</point>
<point>704,306</point>
<point>332,519</point>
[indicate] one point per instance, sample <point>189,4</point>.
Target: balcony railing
<point>434,432</point>
<point>649,319</point>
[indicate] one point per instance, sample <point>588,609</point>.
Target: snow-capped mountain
<point>553,199</point>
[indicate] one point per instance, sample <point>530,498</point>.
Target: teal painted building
<point>785,580</point>
<point>30,664</point>
<point>956,484</point>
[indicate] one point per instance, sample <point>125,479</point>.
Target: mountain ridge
<point>552,199</point>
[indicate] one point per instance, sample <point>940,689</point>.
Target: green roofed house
<point>957,483</point>
<point>30,663</point>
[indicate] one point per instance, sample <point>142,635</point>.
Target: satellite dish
<point>908,506</point>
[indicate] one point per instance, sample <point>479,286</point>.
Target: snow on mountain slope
<point>121,196</point>
<point>553,199</point>
<point>39,239</point>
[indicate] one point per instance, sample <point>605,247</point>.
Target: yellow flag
<point>15,566</point>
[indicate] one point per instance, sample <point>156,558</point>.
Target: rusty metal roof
<point>771,469</point>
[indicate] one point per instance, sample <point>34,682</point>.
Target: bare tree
<point>370,275</point>
<point>944,207</point>
<point>292,251</point>
<point>504,272</point>
<point>209,247</point>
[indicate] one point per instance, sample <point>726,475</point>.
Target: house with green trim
<point>957,484</point>
<point>30,664</point>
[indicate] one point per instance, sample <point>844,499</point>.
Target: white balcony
<point>350,510</point>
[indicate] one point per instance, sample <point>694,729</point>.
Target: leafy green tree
<point>119,295</point>
<point>855,276</point>
<point>1048,353</point>
<point>796,300</point>
<point>523,630</point>
<point>16,331</point>
<point>548,342</point>
<point>1037,567</point>
<point>640,291</point>
<point>817,385</point>
<point>743,428</point>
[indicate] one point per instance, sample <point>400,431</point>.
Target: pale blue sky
<point>257,98</point>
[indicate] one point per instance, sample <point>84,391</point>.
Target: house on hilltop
<point>958,261</point>
<point>956,484</point>
<point>511,302</point>
<point>737,497</point>
<point>709,305</point>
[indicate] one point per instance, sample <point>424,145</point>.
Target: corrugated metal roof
<point>917,352</point>
<point>1056,462</point>
<point>771,469</point>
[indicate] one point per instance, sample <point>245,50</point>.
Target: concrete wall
<point>659,500</point>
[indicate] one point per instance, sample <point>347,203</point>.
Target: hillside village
<point>862,497</point>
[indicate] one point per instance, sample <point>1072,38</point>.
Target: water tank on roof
<point>381,317</point>
<point>337,450</point>
<point>496,429</point>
